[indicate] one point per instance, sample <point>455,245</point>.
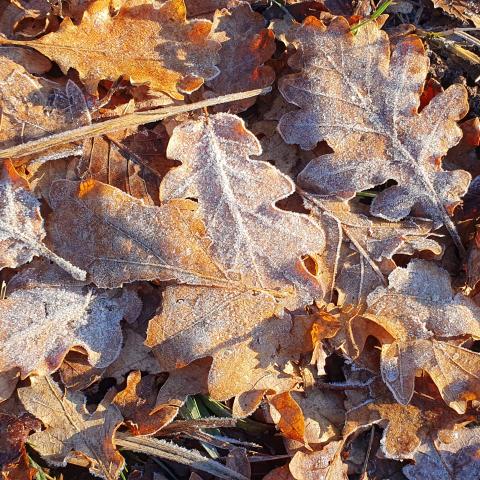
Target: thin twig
<point>120,123</point>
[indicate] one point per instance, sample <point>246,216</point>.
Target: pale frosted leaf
<point>147,41</point>
<point>236,198</point>
<point>33,107</point>
<point>420,311</point>
<point>71,430</point>
<point>119,239</point>
<point>46,313</point>
<point>362,99</point>
<point>453,455</point>
<point>21,225</point>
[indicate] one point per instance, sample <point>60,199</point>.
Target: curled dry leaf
<point>288,416</point>
<point>132,161</point>
<point>452,456</point>
<point>349,228</point>
<point>136,404</point>
<point>118,239</point>
<point>366,108</point>
<point>246,46</point>
<point>236,197</point>
<point>46,313</point>
<point>205,8</point>
<point>33,108</point>
<point>146,42</point>
<point>71,431</point>
<point>423,317</point>
<point>31,14</point>
<point>21,225</point>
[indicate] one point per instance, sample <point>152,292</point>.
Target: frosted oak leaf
<point>236,197</point>
<point>361,96</point>
<point>46,313</point>
<point>71,430</point>
<point>426,322</point>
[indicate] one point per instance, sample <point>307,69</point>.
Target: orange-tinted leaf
<point>246,46</point>
<point>136,404</point>
<point>464,10</point>
<point>146,42</point>
<point>288,416</point>
<point>423,316</point>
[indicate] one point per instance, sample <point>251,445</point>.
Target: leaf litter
<point>280,281</point>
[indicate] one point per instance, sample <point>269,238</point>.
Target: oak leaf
<point>406,427</point>
<point>452,456</point>
<point>33,107</point>
<point>71,430</point>
<point>237,328</point>
<point>146,42</point>
<point>246,46</point>
<point>46,313</point>
<point>424,319</point>
<point>118,239</point>
<point>365,106</point>
<point>236,197</point>
<point>21,225</point>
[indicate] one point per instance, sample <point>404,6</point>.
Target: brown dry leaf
<point>235,327</point>
<point>366,108</point>
<point>405,426</point>
<point>134,162</point>
<point>21,225</point>
<point>118,239</point>
<point>323,412</point>
<point>236,197</point>
<point>182,382</point>
<point>238,461</point>
<point>8,383</point>
<point>24,17</point>
<point>205,8</point>
<point>464,154</point>
<point>133,356</point>
<point>280,473</point>
<point>288,416</point>
<point>325,464</point>
<point>424,318</point>
<point>32,107</point>
<point>454,455</point>
<point>71,431</point>
<point>46,313</point>
<point>464,10</point>
<point>136,403</point>
<point>13,456</point>
<point>246,46</point>
<point>76,372</point>
<point>145,41</point>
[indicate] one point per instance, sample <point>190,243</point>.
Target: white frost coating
<point>21,226</point>
<point>40,322</point>
<point>363,99</point>
<point>236,198</point>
